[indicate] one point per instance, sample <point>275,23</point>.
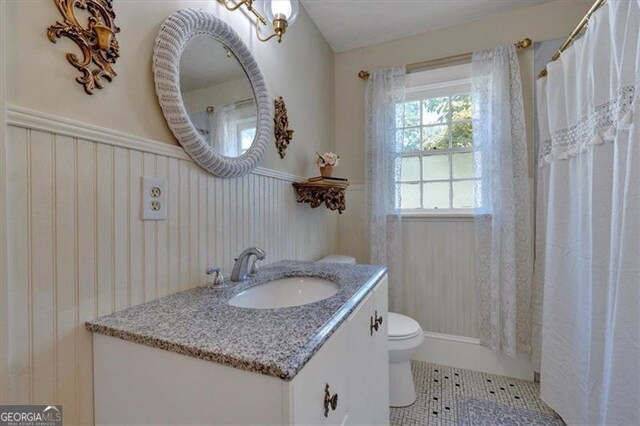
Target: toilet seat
<point>402,327</point>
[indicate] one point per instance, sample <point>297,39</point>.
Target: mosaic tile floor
<point>449,396</point>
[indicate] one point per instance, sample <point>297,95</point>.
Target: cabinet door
<point>379,376</point>
<point>307,391</point>
<point>361,364</point>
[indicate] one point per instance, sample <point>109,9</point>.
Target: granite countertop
<point>275,342</point>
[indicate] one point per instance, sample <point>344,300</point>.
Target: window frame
<point>443,82</point>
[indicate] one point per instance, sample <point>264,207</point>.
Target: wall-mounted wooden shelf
<point>316,193</point>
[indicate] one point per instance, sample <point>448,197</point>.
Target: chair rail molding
<point>31,119</point>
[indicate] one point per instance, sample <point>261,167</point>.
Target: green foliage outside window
<point>461,131</point>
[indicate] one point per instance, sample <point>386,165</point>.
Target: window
<point>246,130</point>
<point>434,127</point>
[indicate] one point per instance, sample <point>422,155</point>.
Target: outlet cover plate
<point>154,199</point>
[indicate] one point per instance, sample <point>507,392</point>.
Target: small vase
<point>326,171</point>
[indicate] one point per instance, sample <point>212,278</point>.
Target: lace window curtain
<point>385,89</point>
<point>224,127</point>
<point>588,238</point>
<point>502,214</point>
<point>202,123</point>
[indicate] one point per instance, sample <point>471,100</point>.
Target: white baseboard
<point>468,353</point>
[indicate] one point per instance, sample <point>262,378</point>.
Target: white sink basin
<point>285,292</point>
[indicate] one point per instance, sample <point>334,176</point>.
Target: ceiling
<point>348,24</point>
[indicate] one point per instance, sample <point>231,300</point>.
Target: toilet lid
<point>338,258</point>
<point>402,327</point>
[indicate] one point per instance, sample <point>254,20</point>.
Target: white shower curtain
<point>383,150</point>
<point>589,216</point>
<point>502,212</point>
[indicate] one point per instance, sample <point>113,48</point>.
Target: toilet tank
<point>338,258</point>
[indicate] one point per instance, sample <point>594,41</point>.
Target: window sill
<point>438,215</point>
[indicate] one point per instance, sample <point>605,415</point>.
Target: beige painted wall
<point>39,77</point>
<point>543,22</point>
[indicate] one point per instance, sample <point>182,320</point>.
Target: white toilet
<point>405,337</point>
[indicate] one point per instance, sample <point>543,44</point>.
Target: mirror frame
<point>175,34</point>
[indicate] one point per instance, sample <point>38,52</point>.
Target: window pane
<point>410,193</point>
<point>435,167</point>
<point>410,169</point>
<point>463,194</point>
<point>246,138</point>
<point>412,114</point>
<point>435,110</point>
<point>436,195</point>
<point>461,135</point>
<point>435,137</point>
<point>461,108</point>
<point>411,141</point>
<point>463,165</point>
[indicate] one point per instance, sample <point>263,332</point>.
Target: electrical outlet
<point>154,199</point>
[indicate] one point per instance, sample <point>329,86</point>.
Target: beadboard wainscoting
<point>439,280</point>
<point>353,239</point>
<point>438,265</point>
<point>78,249</point>
<point>439,274</point>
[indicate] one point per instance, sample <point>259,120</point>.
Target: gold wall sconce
<point>281,14</point>
<point>96,40</point>
<point>281,128</point>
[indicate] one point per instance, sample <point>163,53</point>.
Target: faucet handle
<point>218,280</point>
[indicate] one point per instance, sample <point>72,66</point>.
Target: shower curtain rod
<point>449,60</point>
<point>583,23</point>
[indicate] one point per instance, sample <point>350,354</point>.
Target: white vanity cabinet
<point>368,360</point>
<point>354,362</point>
<point>138,384</point>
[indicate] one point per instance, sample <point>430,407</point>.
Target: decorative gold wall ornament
<point>281,127</point>
<point>97,40</point>
<point>316,193</point>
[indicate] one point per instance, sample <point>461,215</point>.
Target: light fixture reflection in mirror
<point>280,13</point>
<point>218,96</point>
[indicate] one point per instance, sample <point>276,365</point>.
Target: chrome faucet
<point>240,268</point>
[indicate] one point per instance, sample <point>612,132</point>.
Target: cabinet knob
<point>329,401</point>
